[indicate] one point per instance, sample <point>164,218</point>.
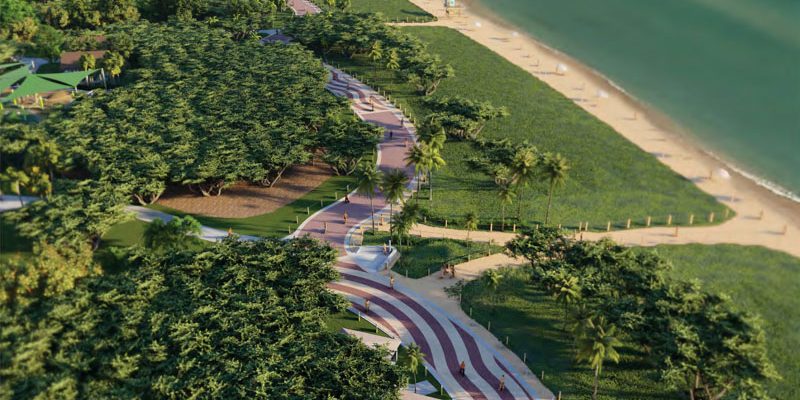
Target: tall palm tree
<point>596,344</point>
<point>376,54</point>
<point>491,278</point>
<point>523,168</point>
<point>369,181</point>
<point>415,359</point>
<point>471,222</point>
<point>435,142</point>
<point>554,170</point>
<point>393,186</point>
<point>418,159</point>
<point>566,291</point>
<point>404,220</point>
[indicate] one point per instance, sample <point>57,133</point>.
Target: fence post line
<point>649,219</point>
<point>608,226</point>
<point>628,224</point>
<point>669,220</point>
<point>691,219</point>
<point>711,217</point>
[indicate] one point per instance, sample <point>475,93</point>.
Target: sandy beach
<point>762,217</point>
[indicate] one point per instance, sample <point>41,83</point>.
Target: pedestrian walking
<point>462,369</point>
<point>391,281</point>
<point>391,134</point>
<point>230,232</point>
<point>346,199</point>
<point>366,305</point>
<point>453,271</point>
<point>385,249</point>
<point>502,386</point>
<point>344,216</point>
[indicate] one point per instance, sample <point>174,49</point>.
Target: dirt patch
<point>243,200</point>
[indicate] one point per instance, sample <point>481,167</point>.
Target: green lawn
<point>393,10</point>
<point>611,179</point>
<point>758,280</point>
<point>280,222</point>
<point>427,255</point>
<point>349,320</point>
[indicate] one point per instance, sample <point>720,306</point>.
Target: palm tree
<point>554,169</point>
<point>434,160</point>
<point>491,278</point>
<point>415,359</point>
<point>596,344</point>
<point>393,187</point>
<point>418,159</point>
<point>376,54</point>
<point>470,222</point>
<point>505,193</point>
<point>566,291</point>
<point>393,61</point>
<point>369,181</point>
<point>405,220</point>
<point>523,168</point>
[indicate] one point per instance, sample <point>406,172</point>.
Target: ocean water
<point>728,71</point>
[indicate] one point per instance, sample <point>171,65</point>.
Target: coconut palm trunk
<point>372,211</point>
<point>596,381</point>
<point>430,186</point>
<point>549,201</point>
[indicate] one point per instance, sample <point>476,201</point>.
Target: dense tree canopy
<point>352,34</point>
<point>238,320</point>
<point>702,344</point>
<point>204,111</point>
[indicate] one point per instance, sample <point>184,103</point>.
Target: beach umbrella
<point>561,68</point>
<point>514,34</point>
<point>602,94</point>
<point>478,24</point>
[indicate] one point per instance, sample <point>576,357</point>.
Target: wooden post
<point>445,223</point>
<point>649,219</point>
<point>728,212</point>
<point>308,210</point>
<point>506,340</point>
<point>325,228</point>
<point>676,231</point>
<point>711,217</point>
<point>608,226</point>
<point>691,219</point>
<point>297,219</point>
<point>628,224</point>
<point>559,395</point>
<point>559,226</point>
<point>289,228</point>
<point>524,358</point>
<point>335,195</point>
<point>669,220</point>
<point>489,326</point>
<point>586,226</point>
<point>320,204</point>
<point>514,228</point>
<point>491,226</point>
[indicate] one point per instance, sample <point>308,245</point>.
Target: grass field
<point>278,223</point>
<point>393,10</point>
<point>611,179</point>
<point>759,280</point>
<point>427,255</point>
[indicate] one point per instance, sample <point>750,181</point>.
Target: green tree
<point>597,343</point>
<point>505,194</point>
<point>7,50</point>
<point>471,222</point>
<point>393,187</point>
<point>369,182</point>
<point>416,159</point>
<point>491,279</point>
<point>404,220</point>
<point>87,61</point>
<point>433,156</point>
<point>344,5</point>
<point>376,53</point>
<point>237,320</point>
<point>415,359</point>
<point>524,169</point>
<point>113,63</point>
<point>462,118</point>
<point>48,42</point>
<point>13,12</point>
<point>554,170</point>
<point>169,237</point>
<point>393,60</point>
<point>17,179</point>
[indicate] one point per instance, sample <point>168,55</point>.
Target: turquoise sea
<point>728,71</point>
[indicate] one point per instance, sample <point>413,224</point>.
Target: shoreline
<point>659,118</point>
<point>762,215</point>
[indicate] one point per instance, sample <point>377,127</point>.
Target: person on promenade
<point>502,386</point>
<point>366,306</point>
<point>462,369</point>
<point>230,232</point>
<point>385,249</point>
<point>391,134</point>
<point>391,281</point>
<point>344,217</point>
<point>346,199</point>
<point>453,271</point>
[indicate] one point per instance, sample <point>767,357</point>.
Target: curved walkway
<point>399,310</point>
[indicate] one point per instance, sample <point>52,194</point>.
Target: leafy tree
<point>491,279</point>
<point>393,60</point>
<point>238,320</point>
<point>471,222</point>
<point>113,11</point>
<point>554,170</point>
<point>13,12</point>
<point>48,42</point>
<point>416,159</point>
<point>369,182</point>
<point>24,30</point>
<point>524,169</point>
<point>87,61</point>
<point>403,221</point>
<point>376,53</point>
<point>415,359</point>
<point>432,158</point>
<point>81,213</point>
<point>172,236</point>
<point>346,141</point>
<point>344,5</point>
<point>113,63</point>
<point>597,343</point>
<point>7,50</point>
<point>16,179</point>
<point>462,118</point>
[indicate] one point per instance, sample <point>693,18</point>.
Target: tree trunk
<point>419,180</point>
<point>596,373</point>
<point>549,200</point>
<point>21,203</point>
<point>372,209</point>
<point>430,186</point>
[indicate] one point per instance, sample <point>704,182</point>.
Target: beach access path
<point>762,217</point>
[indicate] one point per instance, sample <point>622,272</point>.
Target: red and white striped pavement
<point>399,311</point>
